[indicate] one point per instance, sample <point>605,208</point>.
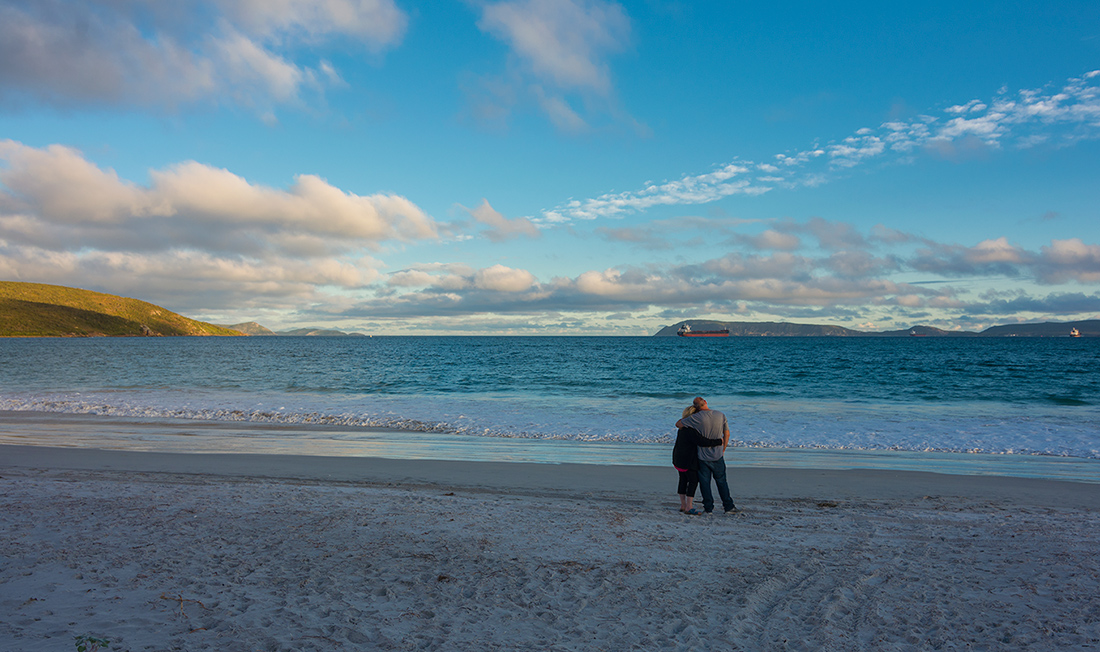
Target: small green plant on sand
<point>86,643</point>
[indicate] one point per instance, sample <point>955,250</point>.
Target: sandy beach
<point>163,551</point>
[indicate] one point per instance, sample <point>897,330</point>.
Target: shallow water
<point>1011,396</point>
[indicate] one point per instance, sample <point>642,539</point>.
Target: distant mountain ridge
<point>318,332</point>
<point>256,330</point>
<point>40,310</point>
<point>1088,328</point>
<point>252,328</point>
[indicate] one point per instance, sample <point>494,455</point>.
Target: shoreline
<point>632,483</point>
<point>159,435</point>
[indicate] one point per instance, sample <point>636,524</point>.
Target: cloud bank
<point>837,274</point>
<point>64,219</point>
<point>206,239</point>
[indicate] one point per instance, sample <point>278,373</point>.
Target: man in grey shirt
<point>712,463</point>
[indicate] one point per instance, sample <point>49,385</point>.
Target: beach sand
<point>158,551</point>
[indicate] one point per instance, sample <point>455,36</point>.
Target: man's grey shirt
<point>709,423</point>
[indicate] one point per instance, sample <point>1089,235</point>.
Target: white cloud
<point>563,41</point>
<point>152,55</point>
<point>972,106</point>
<point>772,239</point>
<point>990,128</point>
<point>834,236</point>
<point>889,235</point>
<point>1062,261</point>
<point>854,150</point>
<point>57,184</point>
<point>909,301</point>
<point>499,278</point>
<point>639,290</point>
<point>698,189</point>
<point>611,283</point>
<point>458,278</point>
<point>995,251</point>
<point>192,205</point>
<point>65,220</point>
<point>734,265</point>
<point>859,264</point>
<point>663,234</point>
<point>411,278</point>
<point>1025,120</point>
<point>500,227</point>
<point>376,23</point>
<point>1070,259</point>
<point>560,113</point>
<point>190,280</point>
<point>70,53</point>
<point>559,51</point>
<point>246,65</point>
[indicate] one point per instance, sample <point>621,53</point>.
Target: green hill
<point>37,310</point>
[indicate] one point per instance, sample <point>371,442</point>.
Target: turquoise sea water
<point>1011,396</point>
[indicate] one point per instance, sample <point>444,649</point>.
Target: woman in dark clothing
<point>685,457</point>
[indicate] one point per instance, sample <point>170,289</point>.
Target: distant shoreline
<point>1085,329</point>
<point>809,331</point>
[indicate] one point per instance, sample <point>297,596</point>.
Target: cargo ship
<point>685,331</point>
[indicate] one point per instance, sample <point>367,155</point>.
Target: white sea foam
<point>756,424</point>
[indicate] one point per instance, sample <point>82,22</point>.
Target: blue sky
<point>544,167</point>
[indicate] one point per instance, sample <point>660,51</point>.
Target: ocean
<point>926,403</point>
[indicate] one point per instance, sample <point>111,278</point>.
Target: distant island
<point>1089,328</point>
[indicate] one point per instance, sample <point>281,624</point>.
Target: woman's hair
<point>688,411</point>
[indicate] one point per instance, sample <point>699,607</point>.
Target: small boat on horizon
<point>1073,332</point>
<point>685,331</point>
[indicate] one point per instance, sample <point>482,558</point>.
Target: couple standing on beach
<point>701,439</point>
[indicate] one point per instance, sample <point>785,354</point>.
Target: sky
<point>544,167</point>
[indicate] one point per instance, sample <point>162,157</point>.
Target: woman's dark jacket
<point>685,454</point>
